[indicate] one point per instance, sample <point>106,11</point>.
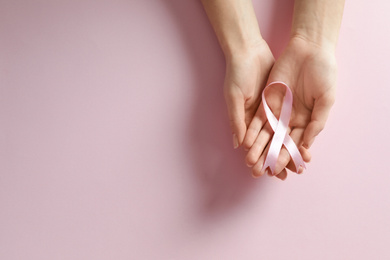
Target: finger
<point>282,175</point>
<point>306,155</point>
<point>319,116</point>
<point>258,147</point>
<point>257,168</point>
<point>284,156</point>
<point>236,110</point>
<point>254,128</point>
<point>290,165</point>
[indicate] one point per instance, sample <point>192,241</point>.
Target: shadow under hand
<point>223,178</point>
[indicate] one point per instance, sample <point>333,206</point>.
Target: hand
<point>247,72</point>
<point>310,71</point>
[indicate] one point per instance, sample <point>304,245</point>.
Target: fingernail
<point>235,141</point>
<point>250,166</point>
<point>300,170</point>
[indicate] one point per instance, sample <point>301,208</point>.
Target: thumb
<point>319,116</point>
<point>236,109</point>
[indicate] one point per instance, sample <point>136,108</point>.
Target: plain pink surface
<point>115,144</point>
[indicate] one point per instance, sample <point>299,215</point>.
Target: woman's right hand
<point>246,75</point>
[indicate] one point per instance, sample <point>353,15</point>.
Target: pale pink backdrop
<point>114,140</point>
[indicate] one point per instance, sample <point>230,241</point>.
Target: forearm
<point>318,21</point>
<point>235,24</point>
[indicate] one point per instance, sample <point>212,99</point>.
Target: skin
<point>307,65</point>
<point>248,60</point>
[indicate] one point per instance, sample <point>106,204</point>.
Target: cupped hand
<point>310,71</point>
<point>247,72</point>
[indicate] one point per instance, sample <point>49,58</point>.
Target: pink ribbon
<point>280,136</point>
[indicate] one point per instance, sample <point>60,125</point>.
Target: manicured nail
<point>300,170</point>
<point>235,141</point>
<point>249,165</point>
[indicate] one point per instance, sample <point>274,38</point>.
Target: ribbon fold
<point>279,126</point>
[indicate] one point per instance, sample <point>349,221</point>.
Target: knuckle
<point>330,99</point>
<point>249,138</point>
<point>320,127</point>
<point>253,130</point>
<point>247,143</point>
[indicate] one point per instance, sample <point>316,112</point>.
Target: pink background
<point>115,144</point>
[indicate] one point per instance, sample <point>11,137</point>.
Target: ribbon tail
<point>294,153</point>
<point>270,162</point>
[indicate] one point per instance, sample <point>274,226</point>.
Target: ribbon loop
<point>279,126</point>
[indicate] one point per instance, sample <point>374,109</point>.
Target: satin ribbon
<point>279,126</point>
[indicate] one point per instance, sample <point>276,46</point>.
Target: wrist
<point>312,45</point>
<point>246,48</point>
<point>315,39</point>
<point>318,22</point>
